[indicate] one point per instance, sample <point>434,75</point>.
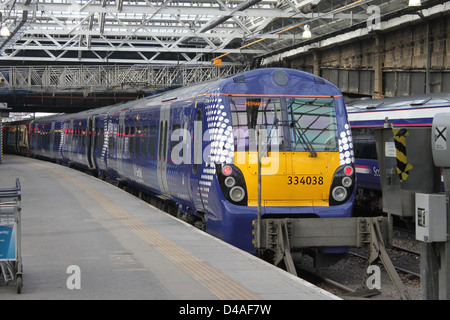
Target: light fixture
<point>414,3</point>
<point>307,33</point>
<point>4,31</point>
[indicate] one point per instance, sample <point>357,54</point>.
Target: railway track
<point>346,278</point>
<point>411,272</point>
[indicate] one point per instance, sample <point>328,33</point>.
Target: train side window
<point>144,140</point>
<point>153,143</point>
<point>137,140</point>
<point>132,133</point>
<point>57,138</point>
<point>364,143</point>
<point>101,137</point>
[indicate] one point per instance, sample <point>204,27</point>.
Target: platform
<point>125,248</point>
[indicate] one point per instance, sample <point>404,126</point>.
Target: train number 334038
<point>305,180</point>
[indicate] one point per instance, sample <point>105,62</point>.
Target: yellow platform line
<point>214,280</point>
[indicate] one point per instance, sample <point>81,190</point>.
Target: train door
<point>71,140</point>
<point>164,124</point>
<point>121,143</point>
<point>16,139</point>
<point>197,156</point>
<point>52,140</point>
<point>90,143</point>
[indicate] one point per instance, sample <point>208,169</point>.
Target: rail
<point>281,235</point>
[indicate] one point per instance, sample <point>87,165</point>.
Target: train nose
<point>290,178</point>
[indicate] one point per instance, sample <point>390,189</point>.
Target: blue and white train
<point>195,147</point>
<point>366,115</point>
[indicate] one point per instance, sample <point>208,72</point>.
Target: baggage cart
<point>11,268</point>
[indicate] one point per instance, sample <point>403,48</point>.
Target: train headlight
<point>343,185</point>
<point>237,194</point>
<point>339,194</point>
<point>347,182</point>
<point>230,182</point>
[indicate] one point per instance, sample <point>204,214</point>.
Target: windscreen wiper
<point>300,133</point>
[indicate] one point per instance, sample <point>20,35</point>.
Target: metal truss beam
<point>192,32</point>
<point>102,78</point>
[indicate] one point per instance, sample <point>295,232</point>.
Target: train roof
<point>406,102</point>
<point>417,110</point>
<point>268,81</point>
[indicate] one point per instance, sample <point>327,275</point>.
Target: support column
<point>378,66</point>
<point>316,62</point>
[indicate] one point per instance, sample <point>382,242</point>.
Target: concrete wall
<point>387,63</point>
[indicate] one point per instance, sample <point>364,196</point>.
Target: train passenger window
<point>153,143</point>
<point>364,143</point>
<point>137,140</point>
<point>144,140</point>
<point>101,137</point>
<point>57,138</point>
<point>132,133</point>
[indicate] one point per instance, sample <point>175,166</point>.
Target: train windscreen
<point>290,123</point>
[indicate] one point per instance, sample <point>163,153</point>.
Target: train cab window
<point>291,124</point>
<point>247,113</point>
<point>313,122</point>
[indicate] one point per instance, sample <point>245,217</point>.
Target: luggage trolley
<point>10,236</point>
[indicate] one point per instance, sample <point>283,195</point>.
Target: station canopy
<point>181,32</point>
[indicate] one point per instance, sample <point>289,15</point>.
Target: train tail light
<point>342,186</point>
<point>227,170</point>
<point>232,184</point>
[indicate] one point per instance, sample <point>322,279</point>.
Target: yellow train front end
<point>289,179</point>
<point>306,155</point>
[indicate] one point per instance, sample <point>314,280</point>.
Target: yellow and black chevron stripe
<point>1,141</point>
<point>403,167</point>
